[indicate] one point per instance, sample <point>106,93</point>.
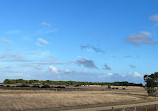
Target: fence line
<point>153,107</point>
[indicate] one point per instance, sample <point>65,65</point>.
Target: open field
<point>12,100</point>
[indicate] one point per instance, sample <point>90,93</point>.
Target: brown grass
<point>11,100</point>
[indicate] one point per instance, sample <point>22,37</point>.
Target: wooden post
<point>124,109</point>
<point>135,109</point>
<point>112,108</point>
<point>156,107</point>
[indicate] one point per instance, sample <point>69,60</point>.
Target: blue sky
<point>81,40</point>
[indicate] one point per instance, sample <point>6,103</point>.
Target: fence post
<point>112,108</point>
<point>135,109</point>
<point>156,107</point>
<point>124,109</point>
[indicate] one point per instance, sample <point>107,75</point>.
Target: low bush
<point>23,85</point>
<point>60,87</point>
<point>36,86</point>
<point>8,86</point>
<point>76,85</point>
<point>45,86</point>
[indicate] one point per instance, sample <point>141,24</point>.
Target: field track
<point>116,106</point>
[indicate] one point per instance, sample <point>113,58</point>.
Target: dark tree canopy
<point>151,83</point>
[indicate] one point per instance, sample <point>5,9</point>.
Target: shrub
<point>45,86</point>
<point>8,86</point>
<point>36,86</point>
<point>60,87</point>
<point>76,85</point>
<point>23,85</point>
<point>109,87</point>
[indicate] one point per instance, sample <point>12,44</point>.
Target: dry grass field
<point>18,100</point>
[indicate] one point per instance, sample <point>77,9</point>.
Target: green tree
<point>151,83</point>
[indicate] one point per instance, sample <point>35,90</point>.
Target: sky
<point>78,40</point>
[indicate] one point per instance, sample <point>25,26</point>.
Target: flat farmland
<point>47,100</point>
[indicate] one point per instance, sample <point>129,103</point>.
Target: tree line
<point>151,83</point>
<point>15,81</point>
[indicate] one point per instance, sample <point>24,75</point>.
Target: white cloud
<point>6,41</point>
<point>136,74</point>
<point>135,77</point>
<point>41,41</point>
<point>53,69</point>
<point>46,24</point>
<point>110,74</point>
